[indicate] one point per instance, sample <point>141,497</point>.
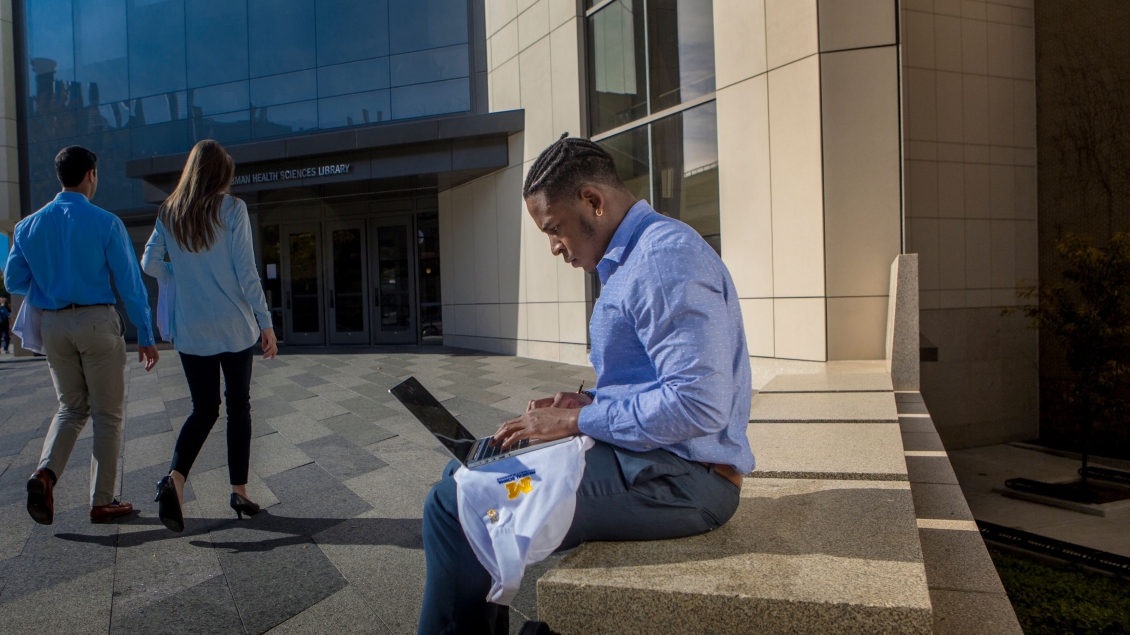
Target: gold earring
<point>600,212</point>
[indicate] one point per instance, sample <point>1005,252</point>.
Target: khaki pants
<point>87,356</point>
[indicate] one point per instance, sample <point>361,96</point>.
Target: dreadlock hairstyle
<point>566,166</point>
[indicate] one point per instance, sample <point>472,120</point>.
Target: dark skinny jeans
<point>203,374</point>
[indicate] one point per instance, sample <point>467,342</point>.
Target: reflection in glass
<point>350,30</point>
<point>281,36</point>
<point>165,138</point>
<point>284,89</point>
<point>219,99</point>
<point>617,65</point>
<point>100,50</point>
<point>160,109</point>
<point>355,77</point>
<point>348,292</point>
<point>630,151</point>
<point>156,47</point>
<point>438,98</point>
<point>304,282</point>
<point>51,49</point>
<point>286,119</point>
<point>430,66</point>
<point>425,24</point>
<point>226,128</point>
<point>431,309</point>
<point>216,38</point>
<point>680,51</point>
<point>685,170</point>
<point>272,280</point>
<point>351,110</point>
<point>392,287</point>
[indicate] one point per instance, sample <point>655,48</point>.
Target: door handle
<point>376,296</point>
<point>288,301</point>
<point>332,294</point>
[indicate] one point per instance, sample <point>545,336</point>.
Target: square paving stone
<point>357,430</point>
<point>13,444</point>
<point>273,574</point>
<point>922,441</point>
<point>916,424</point>
<point>179,408</point>
<point>341,458</point>
<point>208,607</point>
<point>299,428</point>
<point>367,408</point>
<point>307,380</point>
<point>140,486</point>
<point>292,393</point>
<point>910,407</point>
<point>145,425</point>
<point>272,454</point>
<point>346,611</point>
<point>310,491</point>
<point>271,364</point>
<point>317,408</point>
<point>54,554</point>
<point>263,409</point>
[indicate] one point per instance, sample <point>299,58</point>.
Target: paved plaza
<point>339,467</point>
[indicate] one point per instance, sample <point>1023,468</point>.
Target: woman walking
<point>218,314</point>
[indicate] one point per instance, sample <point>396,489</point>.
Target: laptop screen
<point>435,417</point>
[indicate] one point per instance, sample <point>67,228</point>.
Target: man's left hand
<point>543,424</point>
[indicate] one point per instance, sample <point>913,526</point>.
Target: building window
<point>651,103</point>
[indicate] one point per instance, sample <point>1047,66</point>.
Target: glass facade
<point>647,58</point>
<point>137,78</point>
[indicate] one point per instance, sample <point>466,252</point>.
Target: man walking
<point>62,258</point>
<point>672,395</point>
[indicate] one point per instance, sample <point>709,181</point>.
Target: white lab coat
<point>516,511</point>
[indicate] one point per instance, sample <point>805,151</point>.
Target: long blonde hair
<point>192,212</point>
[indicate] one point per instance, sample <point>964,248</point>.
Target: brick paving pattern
<point>339,466</point>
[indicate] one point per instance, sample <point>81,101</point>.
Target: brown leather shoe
<point>41,497</point>
<point>103,513</point>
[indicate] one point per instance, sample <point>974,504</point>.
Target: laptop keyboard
<point>487,451</point>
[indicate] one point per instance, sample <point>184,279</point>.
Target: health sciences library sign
<point>290,175</point>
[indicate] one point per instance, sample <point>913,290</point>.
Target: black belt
<point>76,306</point>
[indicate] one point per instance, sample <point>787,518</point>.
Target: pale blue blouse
<point>220,306</point>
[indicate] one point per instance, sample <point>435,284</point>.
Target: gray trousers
<point>87,356</point>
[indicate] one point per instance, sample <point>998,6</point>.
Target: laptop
<point>463,445</point>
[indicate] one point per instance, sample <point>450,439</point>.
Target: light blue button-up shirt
<point>64,254</point>
<point>668,346</point>
<point>220,306</point>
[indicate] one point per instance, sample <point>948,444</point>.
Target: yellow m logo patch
<point>516,488</point>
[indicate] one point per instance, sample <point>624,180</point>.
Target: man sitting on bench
<point>673,388</point>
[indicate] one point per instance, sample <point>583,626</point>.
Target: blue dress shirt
<point>668,346</point>
<point>64,254</point>
<point>220,306</point>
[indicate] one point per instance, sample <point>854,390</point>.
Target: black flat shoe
<point>168,508</point>
<point>243,505</point>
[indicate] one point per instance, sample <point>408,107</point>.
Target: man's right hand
<point>148,355</point>
<point>561,400</point>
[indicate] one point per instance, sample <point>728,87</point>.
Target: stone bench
<point>852,523</point>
